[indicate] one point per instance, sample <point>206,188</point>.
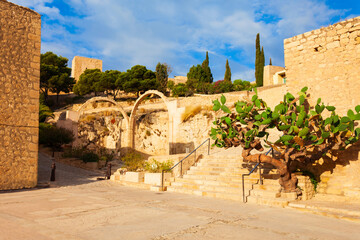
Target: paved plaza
<point>80,207</point>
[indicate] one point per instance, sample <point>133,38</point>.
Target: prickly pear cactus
<point>307,133</point>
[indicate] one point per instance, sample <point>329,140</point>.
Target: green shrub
<point>90,157</point>
<point>154,166</point>
<point>54,137</point>
<point>133,161</point>
<point>74,152</point>
<point>106,155</point>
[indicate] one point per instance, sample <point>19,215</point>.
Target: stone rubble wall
<point>20,33</point>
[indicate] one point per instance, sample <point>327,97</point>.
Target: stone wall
<point>80,64</point>
<point>326,60</point>
<point>20,33</point>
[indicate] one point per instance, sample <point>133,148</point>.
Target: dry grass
<point>190,111</point>
<point>88,118</point>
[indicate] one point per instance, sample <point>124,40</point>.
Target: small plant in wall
<point>307,132</point>
<point>154,166</point>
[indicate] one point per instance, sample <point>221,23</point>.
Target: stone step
<point>214,188</point>
<point>267,201</point>
<point>271,187</point>
<point>220,195</point>
<point>238,178</point>
<point>264,193</point>
<point>215,183</point>
<point>229,169</point>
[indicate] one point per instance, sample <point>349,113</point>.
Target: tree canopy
<point>162,76</point>
<point>90,81</point>
<point>137,80</point>
<point>307,132</point>
<point>199,77</point>
<point>54,74</point>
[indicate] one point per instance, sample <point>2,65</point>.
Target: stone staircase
<point>220,176</point>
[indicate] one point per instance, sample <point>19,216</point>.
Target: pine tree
<point>227,76</point>
<point>270,62</point>
<point>207,70</point>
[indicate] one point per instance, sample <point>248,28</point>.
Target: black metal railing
<point>181,162</point>
<point>252,170</point>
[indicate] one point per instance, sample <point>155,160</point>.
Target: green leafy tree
<point>137,80</point>
<point>89,81</point>
<point>240,85</point>
<point>207,70</point>
<point>170,84</point>
<point>307,133</point>
<point>54,137</point>
<point>44,112</point>
<point>181,90</point>
<point>108,82</point>
<point>195,78</point>
<point>227,76</point>
<point>54,75</point>
<point>162,76</point>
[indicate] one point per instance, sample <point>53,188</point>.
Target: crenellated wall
<point>20,33</point>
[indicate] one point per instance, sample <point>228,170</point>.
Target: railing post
<point>208,146</point>
<point>195,155</point>
<point>261,181</point>
<point>162,180</point>
<point>181,169</point>
<point>243,188</point>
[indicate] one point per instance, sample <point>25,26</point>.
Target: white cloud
<point>127,32</point>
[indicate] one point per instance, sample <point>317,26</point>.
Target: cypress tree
<point>259,62</point>
<point>227,76</point>
<point>261,67</point>
<point>207,70</point>
<point>270,62</point>
<point>257,59</point>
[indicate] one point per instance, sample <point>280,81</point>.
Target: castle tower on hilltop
<point>80,64</point>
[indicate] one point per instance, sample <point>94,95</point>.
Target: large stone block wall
<point>20,33</point>
<point>326,60</point>
<point>80,64</point>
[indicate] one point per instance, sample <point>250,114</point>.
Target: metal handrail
<point>252,170</point>
<point>181,161</point>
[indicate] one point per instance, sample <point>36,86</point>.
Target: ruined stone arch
<point>105,99</point>
<point>131,132</point>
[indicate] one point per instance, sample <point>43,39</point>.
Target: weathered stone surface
<point>19,95</point>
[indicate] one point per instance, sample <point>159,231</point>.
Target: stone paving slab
<point>83,208</point>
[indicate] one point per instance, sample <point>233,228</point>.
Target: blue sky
<point>124,33</point>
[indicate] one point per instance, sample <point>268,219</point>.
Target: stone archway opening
<point>104,99</point>
<point>163,144</point>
